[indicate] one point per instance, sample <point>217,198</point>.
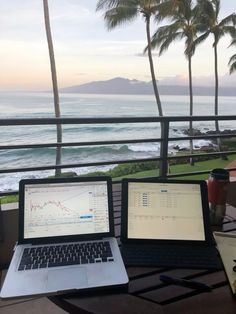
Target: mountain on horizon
<point>123,86</point>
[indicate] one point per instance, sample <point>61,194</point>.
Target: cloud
<point>182,80</point>
<point>173,80</point>
<point>67,11</point>
<point>80,74</point>
<point>25,19</point>
<point>154,54</point>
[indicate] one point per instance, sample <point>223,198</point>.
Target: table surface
<point>147,294</point>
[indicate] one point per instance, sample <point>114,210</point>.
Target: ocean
<point>40,105</point>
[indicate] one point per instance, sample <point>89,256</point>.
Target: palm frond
<point>206,7</point>
<point>233,42</point>
<point>201,38</point>
<point>216,4</point>
<point>168,8</point>
<point>220,32</point>
<point>106,4</point>
<point>109,4</point>
<point>173,8</point>
<point>230,19</point>
<point>232,68</point>
<point>162,33</point>
<point>164,45</point>
<point>232,59</point>
<point>120,15</point>
<point>231,30</point>
<point>184,26</point>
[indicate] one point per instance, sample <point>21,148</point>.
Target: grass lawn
<point>175,169</point>
<point>9,199</point>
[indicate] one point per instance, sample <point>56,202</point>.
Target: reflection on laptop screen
<point>60,209</point>
<point>167,211</point>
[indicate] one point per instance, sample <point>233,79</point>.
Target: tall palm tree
<point>208,11</point>
<point>232,60</point>
<point>54,83</point>
<point>118,12</point>
<point>184,25</point>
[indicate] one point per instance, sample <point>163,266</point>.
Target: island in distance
<point>122,86</point>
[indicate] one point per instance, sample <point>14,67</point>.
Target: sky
<point>86,51</point>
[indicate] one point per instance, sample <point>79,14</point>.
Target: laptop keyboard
<point>66,254</point>
<point>171,256</point>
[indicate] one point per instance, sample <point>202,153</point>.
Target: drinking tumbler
<point>217,193</point>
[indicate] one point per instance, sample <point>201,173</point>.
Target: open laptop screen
<point>165,211</point>
<point>55,209</point>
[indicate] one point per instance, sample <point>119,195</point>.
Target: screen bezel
<point>67,238</point>
<point>205,211</point>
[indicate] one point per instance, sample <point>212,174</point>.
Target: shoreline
<point>212,145</point>
<point>8,182</point>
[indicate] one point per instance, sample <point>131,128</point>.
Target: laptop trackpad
<point>71,278</point>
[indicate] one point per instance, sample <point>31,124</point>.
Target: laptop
<point>66,238</point>
<point>166,223</point>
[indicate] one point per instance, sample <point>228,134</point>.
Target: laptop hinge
<point>16,244</point>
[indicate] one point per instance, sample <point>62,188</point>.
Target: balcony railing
<point>163,158</point>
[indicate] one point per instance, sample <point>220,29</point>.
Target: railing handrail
<point>99,120</point>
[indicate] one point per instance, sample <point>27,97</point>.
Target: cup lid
<point>220,174</point>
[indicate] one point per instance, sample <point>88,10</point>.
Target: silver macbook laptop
<point>166,223</point>
<point>66,238</point>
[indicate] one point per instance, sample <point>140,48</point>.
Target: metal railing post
<point>163,165</point>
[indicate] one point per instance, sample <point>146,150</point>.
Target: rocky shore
<point>211,146</point>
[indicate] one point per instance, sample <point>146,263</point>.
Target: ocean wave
<point>11,183</point>
<point>96,150</point>
<point>145,147</point>
<point>71,151</point>
<point>137,127</point>
<point>88,129</point>
<point>109,151</point>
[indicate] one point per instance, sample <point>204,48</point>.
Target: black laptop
<point>166,223</point>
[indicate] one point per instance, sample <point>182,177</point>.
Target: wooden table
<point>147,294</point>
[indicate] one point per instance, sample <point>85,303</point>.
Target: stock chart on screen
<point>65,209</point>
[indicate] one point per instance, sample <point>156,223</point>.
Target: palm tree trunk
<point>216,98</point>
<point>154,82</point>
<point>54,83</point>
<point>216,86</point>
<point>190,106</point>
<point>162,164</point>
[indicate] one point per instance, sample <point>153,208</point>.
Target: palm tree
<point>232,60</point>
<point>208,11</point>
<point>54,83</point>
<point>118,12</point>
<point>184,25</point>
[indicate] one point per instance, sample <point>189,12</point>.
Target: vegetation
<point>184,24</point>
<point>147,169</point>
<point>129,168</point>
<point>9,199</point>
<point>211,24</point>
<point>181,168</point>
